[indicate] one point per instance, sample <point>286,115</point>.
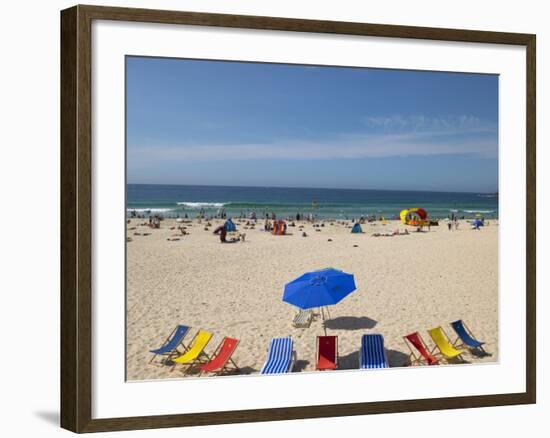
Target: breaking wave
<point>197,205</point>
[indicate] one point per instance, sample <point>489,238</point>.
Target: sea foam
<point>197,205</point>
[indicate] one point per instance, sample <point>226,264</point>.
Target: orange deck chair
<point>418,343</point>
<point>222,361</point>
<point>327,353</point>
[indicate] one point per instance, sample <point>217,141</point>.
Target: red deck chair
<point>425,357</point>
<point>222,361</point>
<point>327,352</point>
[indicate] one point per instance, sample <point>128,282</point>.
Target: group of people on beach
<point>453,223</point>
<point>310,217</point>
<point>154,221</point>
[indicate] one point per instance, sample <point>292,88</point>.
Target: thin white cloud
<point>356,148</point>
<point>398,136</point>
<point>419,123</point>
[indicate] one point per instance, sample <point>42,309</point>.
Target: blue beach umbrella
<point>319,289</point>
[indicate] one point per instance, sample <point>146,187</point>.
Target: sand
<point>404,283</point>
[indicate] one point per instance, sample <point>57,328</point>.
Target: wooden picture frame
<point>76,218</point>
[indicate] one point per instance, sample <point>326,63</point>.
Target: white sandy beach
<point>404,283</point>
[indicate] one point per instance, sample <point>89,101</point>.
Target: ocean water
<point>181,200</point>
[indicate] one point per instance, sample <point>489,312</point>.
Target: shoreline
<point>162,214</point>
<point>326,203</point>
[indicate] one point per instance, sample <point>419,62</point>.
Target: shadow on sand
<point>350,323</point>
<point>397,358</point>
<point>247,370</point>
<point>351,360</point>
<point>479,353</point>
<point>300,365</point>
<point>457,360</point>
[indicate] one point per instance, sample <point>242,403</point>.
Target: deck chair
<point>195,354</point>
<point>419,345</point>
<point>170,346</point>
<point>443,344</point>
<point>280,356</point>
<point>221,359</point>
<point>372,353</point>
<point>465,338</point>
<point>303,319</point>
<point>326,355</point>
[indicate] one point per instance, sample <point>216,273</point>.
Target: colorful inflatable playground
<point>416,217</point>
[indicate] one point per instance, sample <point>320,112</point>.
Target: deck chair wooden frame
<point>293,358</point>
<point>415,357</point>
<point>458,343</point>
<point>436,351</point>
<point>317,354</point>
<point>175,351</point>
<point>226,368</point>
<point>202,357</point>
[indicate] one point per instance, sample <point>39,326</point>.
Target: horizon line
<point>318,188</point>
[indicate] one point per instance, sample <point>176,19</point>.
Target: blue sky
<point>251,124</point>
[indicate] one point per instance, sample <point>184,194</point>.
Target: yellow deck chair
<point>443,344</point>
<point>195,354</point>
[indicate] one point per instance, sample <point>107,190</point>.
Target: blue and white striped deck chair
<point>280,356</point>
<point>372,353</point>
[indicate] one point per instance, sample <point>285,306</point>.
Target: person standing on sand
<point>449,225</point>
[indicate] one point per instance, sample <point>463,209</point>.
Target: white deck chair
<point>303,319</point>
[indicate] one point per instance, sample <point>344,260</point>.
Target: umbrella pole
<point>323,316</point>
